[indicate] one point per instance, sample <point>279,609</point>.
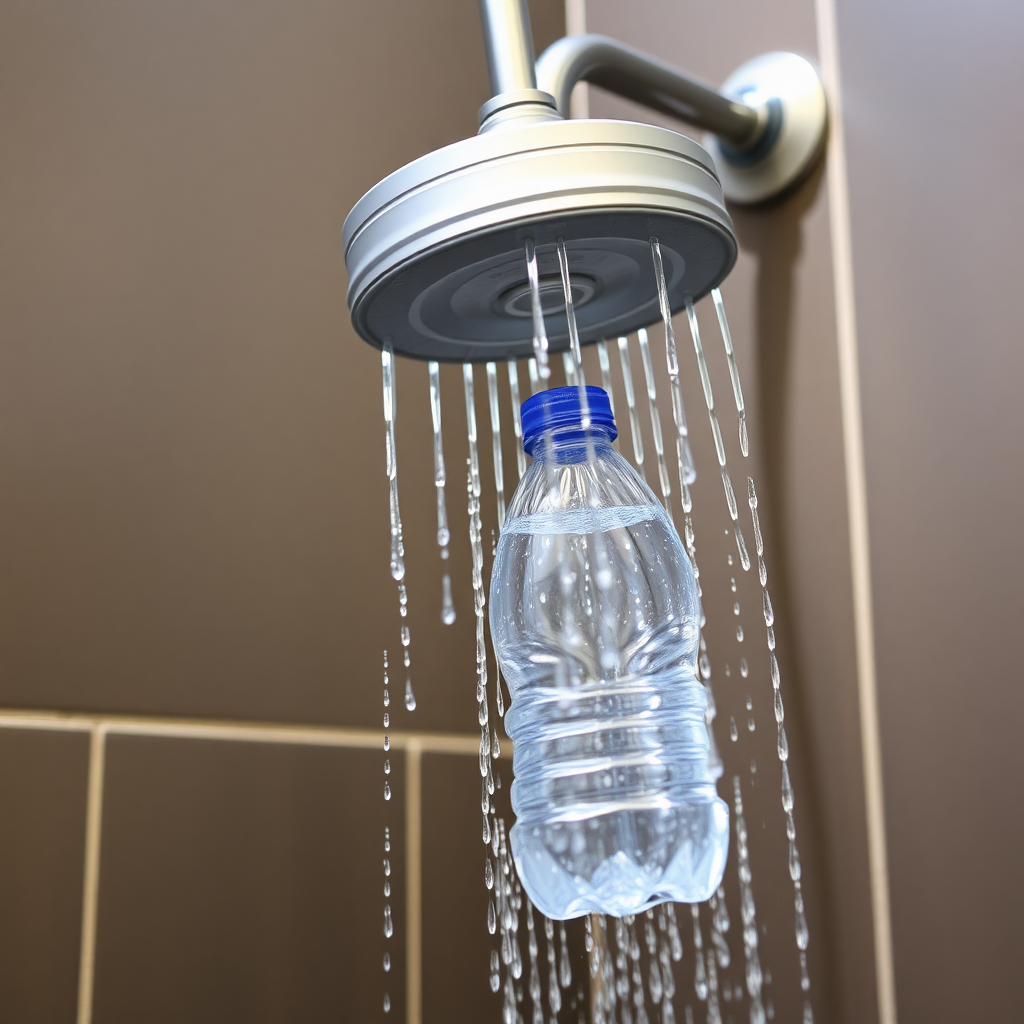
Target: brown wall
<point>935,151</point>
<point>195,511</point>
<point>193,463</point>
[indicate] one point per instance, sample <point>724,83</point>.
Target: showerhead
<point>435,251</point>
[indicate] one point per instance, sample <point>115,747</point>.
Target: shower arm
<point>516,81</point>
<point>637,76</point>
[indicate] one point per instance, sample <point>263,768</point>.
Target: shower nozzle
<point>435,251</point>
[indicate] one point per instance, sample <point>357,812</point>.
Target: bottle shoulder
<point>605,480</point>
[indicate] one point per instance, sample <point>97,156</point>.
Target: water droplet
<point>741,546</point>
<point>387,766</point>
<point>739,633</point>
<point>387,961</point>
<point>387,791</point>
<point>387,699</point>
<point>736,608</point>
<point>495,971</point>
<point>794,862</point>
<point>387,887</point>
<point>387,1003</point>
<point>492,917</point>
<point>744,668</point>
<point>488,873</point>
<point>787,791</point>
<point>405,636</point>
<point>389,928</point>
<point>729,559</point>
<point>387,720</point>
<point>410,697</point>
<point>750,724</point>
<point>732,579</point>
<point>783,745</point>
<point>447,607</point>
<point>802,935</point>
<point>734,733</point>
<point>387,742</point>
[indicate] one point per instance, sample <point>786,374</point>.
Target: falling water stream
<point>634,419</point>
<point>388,924</point>
<point>606,372</point>
<point>440,478</point>
<point>517,416</point>
<point>652,402</point>
<point>748,911</point>
<point>709,398</point>
<point>684,456</point>
<point>499,468</point>
<point>619,950</point>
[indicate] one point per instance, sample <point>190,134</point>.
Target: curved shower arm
<point>637,76</point>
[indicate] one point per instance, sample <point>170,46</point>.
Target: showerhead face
<point>435,251</point>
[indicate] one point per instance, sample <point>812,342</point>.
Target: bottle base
<point>567,869</point>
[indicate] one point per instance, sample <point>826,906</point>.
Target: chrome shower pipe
<point>510,65</point>
<point>640,77</point>
<point>509,45</point>
<point>517,80</point>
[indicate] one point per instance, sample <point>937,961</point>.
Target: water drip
<point>748,912</point>
<point>540,335</point>
<point>734,373</point>
<point>652,402</point>
<point>684,457</point>
<point>517,416</point>
<point>499,469</point>
<point>634,418</point>
<point>709,400</point>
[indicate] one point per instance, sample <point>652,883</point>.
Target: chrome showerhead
<point>435,251</point>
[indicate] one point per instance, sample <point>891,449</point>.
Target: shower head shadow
<point>435,251</point>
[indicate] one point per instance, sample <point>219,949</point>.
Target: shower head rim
<point>461,212</point>
<point>491,146</point>
<point>558,341</point>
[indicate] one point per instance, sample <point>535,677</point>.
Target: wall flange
<point>788,86</point>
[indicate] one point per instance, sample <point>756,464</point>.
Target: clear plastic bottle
<point>596,622</point>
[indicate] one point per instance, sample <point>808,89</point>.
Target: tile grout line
<point>857,510</point>
<point>91,872</point>
<point>244,732</point>
<point>414,883</point>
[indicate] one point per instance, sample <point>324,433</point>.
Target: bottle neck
<point>570,444</point>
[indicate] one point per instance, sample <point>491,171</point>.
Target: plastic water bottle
<point>596,622</point>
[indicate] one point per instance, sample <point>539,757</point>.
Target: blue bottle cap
<point>559,408</point>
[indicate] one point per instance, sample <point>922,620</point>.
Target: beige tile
<point>244,882</point>
<point>42,848</point>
